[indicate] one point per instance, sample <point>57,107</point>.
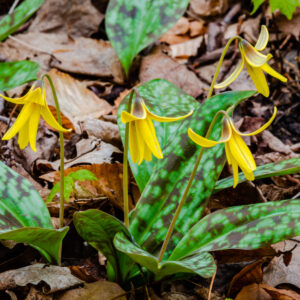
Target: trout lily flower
<point>237,152</point>
<point>255,62</point>
<point>142,136</point>
<point>26,124</point>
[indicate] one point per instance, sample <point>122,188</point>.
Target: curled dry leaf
<point>76,102</point>
<point>53,278</point>
<point>186,49</point>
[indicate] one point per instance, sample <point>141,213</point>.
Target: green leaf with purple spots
<point>24,217</point>
<point>150,220</point>
<point>133,25</point>
<point>201,263</point>
<point>13,74</point>
<point>285,167</point>
<point>242,227</point>
<point>11,22</point>
<point>160,96</point>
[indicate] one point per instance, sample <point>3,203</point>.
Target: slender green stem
<point>125,166</point>
<point>219,65</point>
<point>186,191</point>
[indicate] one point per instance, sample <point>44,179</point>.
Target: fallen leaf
<point>100,290</point>
<point>35,294</point>
<point>289,26</point>
<point>275,143</point>
<point>159,65</point>
<point>207,8</point>
<point>74,17</point>
<point>76,102</point>
<point>53,278</point>
<point>186,49</point>
<point>197,27</point>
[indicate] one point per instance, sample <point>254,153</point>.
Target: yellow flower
<point>26,124</point>
<point>142,136</point>
<point>255,63</point>
<point>237,152</point>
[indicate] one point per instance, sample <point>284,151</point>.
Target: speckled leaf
<point>242,227</point>
<point>165,99</point>
<point>13,74</point>
<point>133,25</point>
<point>201,264</point>
<point>10,23</point>
<point>151,218</point>
<point>24,217</point>
<point>289,166</point>
<point>98,229</point>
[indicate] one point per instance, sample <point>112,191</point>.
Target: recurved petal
<point>252,56</point>
<point>49,118</point>
<point>232,76</point>
<point>127,117</point>
<point>20,122</point>
<point>166,119</point>
<point>33,126</point>
<point>22,100</point>
<point>258,130</point>
<point>23,138</point>
<point>37,96</point>
<point>273,73</point>
<point>262,39</point>
<point>204,142</point>
<point>259,79</point>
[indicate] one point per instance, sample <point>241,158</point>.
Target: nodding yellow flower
<point>27,122</point>
<point>237,152</point>
<point>255,63</point>
<point>142,136</point>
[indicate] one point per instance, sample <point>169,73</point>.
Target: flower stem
<point>186,191</point>
<point>125,166</point>
<point>62,155</point>
<point>219,65</point>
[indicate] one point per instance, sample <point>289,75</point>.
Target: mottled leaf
<point>98,229</point>
<point>242,227</point>
<point>150,219</point>
<point>10,23</point>
<point>201,264</point>
<point>133,25</point>
<point>13,74</point>
<point>160,96</point>
<point>24,217</point>
<point>289,166</point>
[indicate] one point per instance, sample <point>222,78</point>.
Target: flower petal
<point>23,138</point>
<point>20,122</point>
<point>258,130</point>
<point>241,153</point>
<point>133,143</point>
<point>204,142</point>
<point>127,117</point>
<point>33,126</point>
<point>252,56</point>
<point>149,136</point>
<point>262,39</point>
<point>259,79</point>
<point>273,73</point>
<point>49,118</point>
<point>147,153</point>
<point>235,172</point>
<point>232,76</point>
<point>140,143</point>
<point>166,119</point>
<point>21,100</point>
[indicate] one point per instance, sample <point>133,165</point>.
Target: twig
<point>12,8</point>
<point>211,284</point>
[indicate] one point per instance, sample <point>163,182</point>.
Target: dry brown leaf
<point>275,143</point>
<point>74,17</point>
<point>159,65</point>
<point>186,49</point>
<point>118,101</point>
<point>35,294</point>
<point>197,27</point>
<point>76,102</point>
<point>53,278</point>
<point>207,8</point>
<point>100,290</point>
<point>290,26</point>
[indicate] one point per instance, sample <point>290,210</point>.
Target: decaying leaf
<point>53,278</point>
<point>208,7</point>
<point>186,49</point>
<point>76,102</point>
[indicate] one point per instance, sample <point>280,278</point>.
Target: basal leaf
<point>242,227</point>
<point>201,263</point>
<point>133,25</point>
<point>24,217</point>
<point>13,74</point>
<point>165,99</point>
<point>98,229</point>
<point>289,166</point>
<point>151,218</point>
<point>10,23</point>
